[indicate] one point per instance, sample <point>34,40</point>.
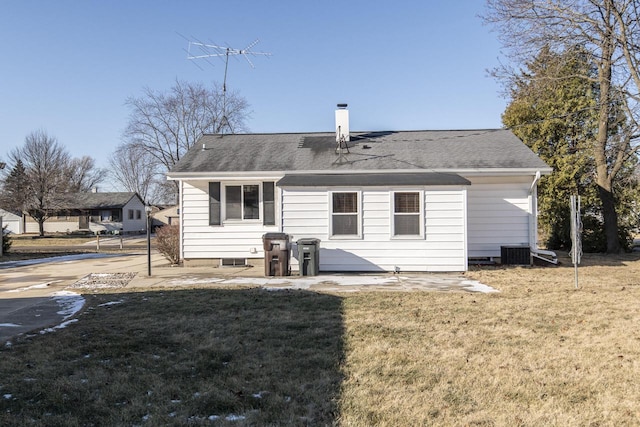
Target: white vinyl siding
<point>306,213</point>
<point>499,214</point>
<point>232,239</point>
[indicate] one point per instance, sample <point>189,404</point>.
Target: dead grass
<point>30,246</point>
<point>539,353</point>
<point>31,240</point>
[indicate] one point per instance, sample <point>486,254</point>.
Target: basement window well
<point>233,262</point>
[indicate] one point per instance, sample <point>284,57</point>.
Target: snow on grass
<point>9,325</point>
<point>60,326</point>
<point>107,304</point>
<point>475,286</point>
<point>70,303</point>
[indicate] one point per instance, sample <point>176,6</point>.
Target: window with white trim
<point>406,214</point>
<point>345,214</point>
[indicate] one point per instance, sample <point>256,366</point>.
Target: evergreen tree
<point>15,188</point>
<point>553,109</point>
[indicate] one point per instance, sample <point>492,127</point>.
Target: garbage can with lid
<point>276,254</point>
<point>309,256</point>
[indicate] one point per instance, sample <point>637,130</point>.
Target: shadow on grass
<point>241,357</point>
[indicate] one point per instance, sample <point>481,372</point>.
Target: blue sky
<point>68,66</point>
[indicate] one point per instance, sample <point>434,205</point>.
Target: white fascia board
<point>179,176</point>
<point>503,172</point>
<point>199,176</point>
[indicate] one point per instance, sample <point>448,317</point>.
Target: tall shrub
<point>168,242</point>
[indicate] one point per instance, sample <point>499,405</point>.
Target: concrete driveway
<point>40,294</point>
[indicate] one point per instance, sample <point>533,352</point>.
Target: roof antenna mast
<point>205,51</point>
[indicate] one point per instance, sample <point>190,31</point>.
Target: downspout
<point>547,256</point>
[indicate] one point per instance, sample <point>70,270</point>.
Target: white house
<point>377,201</point>
<point>118,212</point>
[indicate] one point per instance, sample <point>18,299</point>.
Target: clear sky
<point>68,66</point>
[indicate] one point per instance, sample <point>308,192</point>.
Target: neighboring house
<point>167,216</point>
<point>13,222</point>
<point>378,201</point>
<point>95,212</point>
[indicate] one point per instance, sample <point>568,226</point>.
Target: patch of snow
<point>214,417</point>
<point>106,304</point>
<point>146,417</point>
<point>475,286</point>
<point>7,396</point>
<point>259,394</point>
<point>9,325</point>
<point>173,414</point>
<point>175,401</point>
<point>60,326</point>
<point>233,417</point>
<point>70,303</point>
<point>8,344</point>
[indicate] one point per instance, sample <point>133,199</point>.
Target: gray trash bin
<point>309,256</point>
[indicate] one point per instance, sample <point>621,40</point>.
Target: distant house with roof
<point>377,201</point>
<point>12,222</point>
<point>115,212</point>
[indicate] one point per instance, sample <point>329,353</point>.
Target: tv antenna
<point>205,51</point>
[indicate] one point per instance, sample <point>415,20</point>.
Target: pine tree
<point>15,188</point>
<point>553,109</point>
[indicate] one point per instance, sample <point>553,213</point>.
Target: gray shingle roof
<point>97,200</point>
<point>440,150</point>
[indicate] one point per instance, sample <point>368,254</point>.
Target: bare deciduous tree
<point>83,175</point>
<point>46,163</point>
<point>134,168</point>
<point>166,124</point>
<point>42,174</point>
<point>609,30</point>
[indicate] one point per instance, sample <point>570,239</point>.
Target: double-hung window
<point>345,214</point>
<point>407,214</point>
